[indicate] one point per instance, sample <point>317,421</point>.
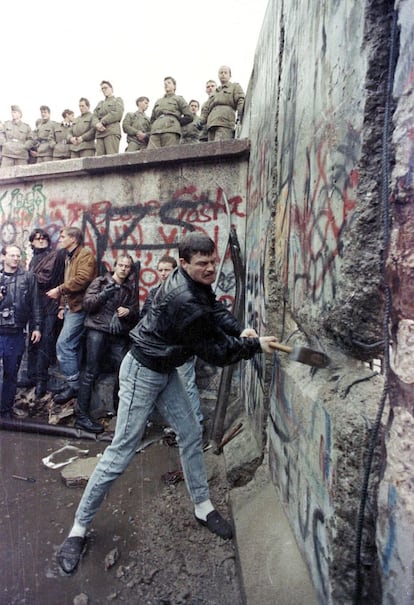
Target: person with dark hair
<point>82,132</point>
<point>184,319</point>
<point>44,137</point>
<point>170,112</point>
<point>165,266</point>
<point>61,149</point>
<point>17,139</point>
<point>80,270</point>
<point>190,132</point>
<point>19,304</point>
<point>136,125</point>
<point>48,266</point>
<point>111,309</point>
<point>108,114</point>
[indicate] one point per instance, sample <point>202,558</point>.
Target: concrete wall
<point>314,243</point>
<point>314,248</point>
<point>139,203</point>
<point>395,527</point>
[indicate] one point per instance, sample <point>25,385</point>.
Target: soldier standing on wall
<point>108,126</point>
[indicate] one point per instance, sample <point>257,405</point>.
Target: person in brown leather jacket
<point>80,270</point>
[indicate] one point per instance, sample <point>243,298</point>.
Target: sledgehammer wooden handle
<point>280,347</point>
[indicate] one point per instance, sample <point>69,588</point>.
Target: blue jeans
<point>188,376</point>
<point>68,346</point>
<point>11,353</point>
<point>141,389</point>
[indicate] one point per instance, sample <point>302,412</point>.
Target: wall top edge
<point>205,152</point>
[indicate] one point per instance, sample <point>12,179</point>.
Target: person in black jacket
<point>19,304</point>
<point>112,310</point>
<point>185,319</point>
<point>48,265</point>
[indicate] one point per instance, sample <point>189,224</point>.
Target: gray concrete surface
<point>272,569</point>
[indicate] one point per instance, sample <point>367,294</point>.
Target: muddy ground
<point>144,547</point>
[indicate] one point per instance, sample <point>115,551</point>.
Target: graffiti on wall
<point>301,464</point>
<point>317,201</point>
<point>146,229</point>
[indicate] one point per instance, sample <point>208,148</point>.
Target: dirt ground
<point>144,547</point>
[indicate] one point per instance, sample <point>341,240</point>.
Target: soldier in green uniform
<point>109,114</point>
<point>44,137</point>
<point>219,112</point>
<point>82,132</point>
<point>190,132</point>
<point>16,138</point>
<point>61,150</point>
<point>211,86</point>
<point>170,112</point>
<point>136,125</point>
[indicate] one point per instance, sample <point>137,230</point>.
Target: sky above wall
<point>55,52</point>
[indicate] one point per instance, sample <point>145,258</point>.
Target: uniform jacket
<point>61,149</point>
<point>109,112</point>
<point>220,108</point>
<point>22,296</point>
<point>169,114</point>
<point>80,270</point>
<point>190,133</point>
<point>185,319</point>
<point>84,126</point>
<point>134,122</point>
<point>44,137</point>
<point>17,139</point>
<point>99,314</point>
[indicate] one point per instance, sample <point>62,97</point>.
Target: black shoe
<point>86,423</point>
<point>217,525</point>
<point>70,553</point>
<point>55,389</point>
<point>40,390</point>
<point>66,395</point>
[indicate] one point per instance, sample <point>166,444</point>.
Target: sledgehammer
<point>303,354</point>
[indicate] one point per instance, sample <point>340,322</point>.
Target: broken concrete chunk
<point>111,558</point>
<point>78,472</point>
<point>81,599</point>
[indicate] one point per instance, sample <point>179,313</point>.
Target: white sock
<point>203,509</point>
<point>77,530</point>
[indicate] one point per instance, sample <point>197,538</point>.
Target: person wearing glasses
<point>109,114</point>
<point>48,266</point>
<point>19,304</point>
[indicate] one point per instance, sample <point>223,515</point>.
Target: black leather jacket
<point>185,319</point>
<point>21,302</point>
<point>99,314</point>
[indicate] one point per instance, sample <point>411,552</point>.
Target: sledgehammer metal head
<point>305,355</point>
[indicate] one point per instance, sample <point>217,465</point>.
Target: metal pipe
<point>30,426</point>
